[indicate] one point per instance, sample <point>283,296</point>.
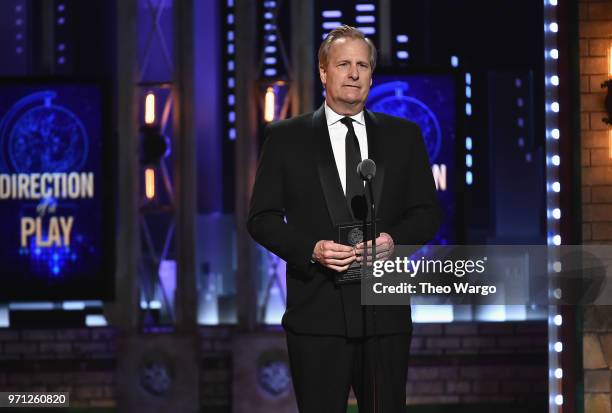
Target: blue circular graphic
<point>39,136</point>
<point>390,98</point>
<point>47,138</point>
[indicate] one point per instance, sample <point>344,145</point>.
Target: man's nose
<point>354,73</point>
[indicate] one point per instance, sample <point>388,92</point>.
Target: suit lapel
<point>328,172</point>
<point>376,153</point>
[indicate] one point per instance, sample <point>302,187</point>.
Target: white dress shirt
<point>337,135</point>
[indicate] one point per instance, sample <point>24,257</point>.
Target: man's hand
<point>329,254</point>
<point>384,248</point>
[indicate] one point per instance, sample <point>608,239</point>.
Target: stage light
<point>331,14</point>
<point>558,347</point>
<point>555,133</point>
<point>365,19</point>
<point>554,107</point>
<point>557,239</point>
<point>150,108</point>
<point>468,160</point>
<point>610,61</point>
<point>468,143</point>
<point>554,27</point>
<point>365,7</point>
<point>73,305</point>
<point>468,109</point>
<point>367,30</point>
<point>469,179</point>
<point>553,2</point>
<point>558,320</point>
<point>556,213</point>
<point>557,266</point>
<point>554,53</point>
<point>331,25</point>
<point>154,145</point>
<point>150,183</point>
<point>95,320</point>
<point>454,61</point>
<point>554,80</point>
<point>402,38</point>
<point>556,160</point>
<point>558,400</point>
<point>559,373</point>
<point>269,104</point>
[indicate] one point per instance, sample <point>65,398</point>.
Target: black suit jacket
<point>298,200</point>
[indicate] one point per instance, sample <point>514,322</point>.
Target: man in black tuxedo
<point>306,185</point>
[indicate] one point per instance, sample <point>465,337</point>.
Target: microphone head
<point>366,169</point>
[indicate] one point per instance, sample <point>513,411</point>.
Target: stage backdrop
<point>429,100</point>
<point>56,202</point>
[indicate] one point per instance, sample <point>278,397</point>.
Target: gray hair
<point>339,33</point>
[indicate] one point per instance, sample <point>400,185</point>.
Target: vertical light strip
<point>553,193</point>
<point>401,42</point>
<point>469,163</point>
<point>270,38</point>
<point>60,47</point>
<point>231,71</point>
<point>365,18</point>
<point>331,20</point>
<point>20,23</point>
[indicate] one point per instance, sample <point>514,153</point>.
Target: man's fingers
<point>338,268</point>
<point>327,254</point>
<point>333,246</point>
<point>381,248</point>
<point>360,245</point>
<point>341,263</point>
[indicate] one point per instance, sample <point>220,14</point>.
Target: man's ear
<point>323,75</point>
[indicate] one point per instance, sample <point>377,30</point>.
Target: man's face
<point>348,75</point>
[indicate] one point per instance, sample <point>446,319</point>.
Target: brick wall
<point>83,362</point>
<point>467,363</point>
<point>79,361</point>
<point>595,31</point>
<point>450,363</point>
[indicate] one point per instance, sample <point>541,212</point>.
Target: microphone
<point>366,169</point>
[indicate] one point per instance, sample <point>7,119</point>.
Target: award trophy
<point>353,234</point>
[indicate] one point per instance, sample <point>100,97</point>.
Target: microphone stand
<point>372,218</point>
<point>377,399</point>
